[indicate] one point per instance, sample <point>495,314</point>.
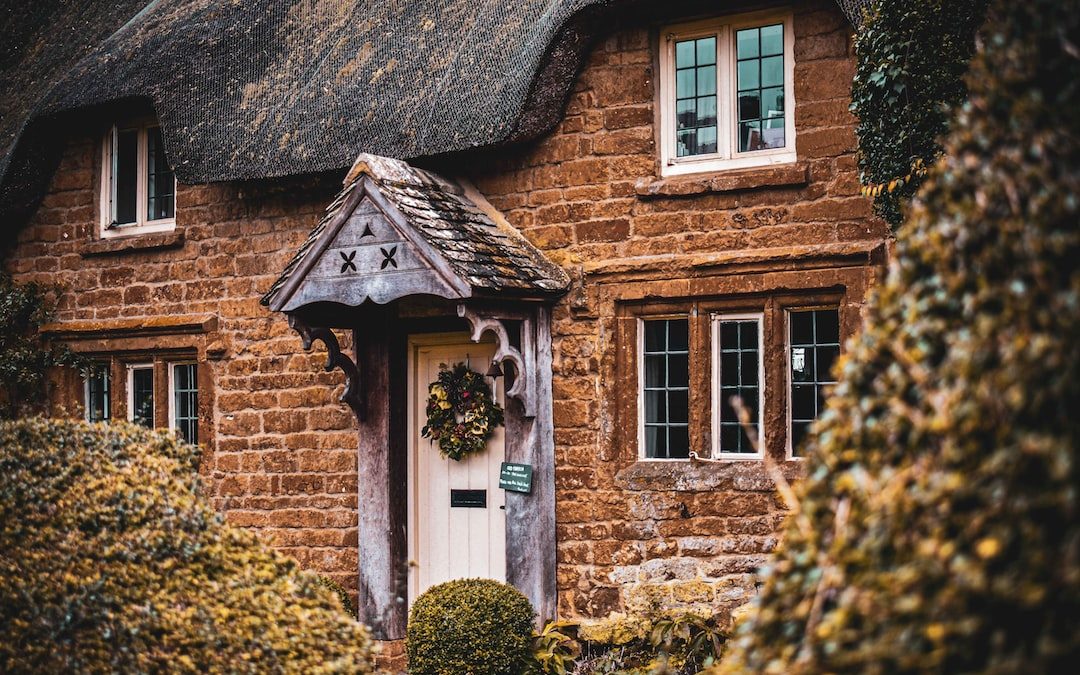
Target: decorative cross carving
<point>388,257</point>
<point>348,264</point>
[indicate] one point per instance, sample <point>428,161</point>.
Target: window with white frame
<point>726,94</point>
<point>184,400</point>
<point>738,373</point>
<point>813,347</point>
<point>665,375</point>
<point>138,187</point>
<point>140,391</point>
<point>96,386</point>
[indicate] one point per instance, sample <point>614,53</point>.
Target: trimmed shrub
<point>938,529</point>
<point>112,561</point>
<point>477,626</point>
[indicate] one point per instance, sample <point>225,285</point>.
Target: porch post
<point>381,500</point>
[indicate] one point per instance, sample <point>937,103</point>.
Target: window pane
<point>750,136</point>
<point>678,370</point>
<point>747,41</point>
<point>678,406</point>
<point>685,83</point>
<point>97,393</point>
<point>684,54</point>
<point>827,325</point>
<point>706,111</point>
<point>706,80</point>
<point>748,74</point>
<point>772,71</point>
<point>772,40</point>
<point>686,113</point>
<point>706,141</point>
<point>186,401</point>
<point>815,345</point>
<point>678,442</point>
<point>749,105</point>
<point>666,392</point>
<point>706,51</point>
<point>687,143</point>
<point>142,396</point>
<point>159,181</point>
<point>125,176</point>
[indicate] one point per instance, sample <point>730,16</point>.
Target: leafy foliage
<point>675,644</point>
<point>469,626</point>
<point>938,529</point>
<point>341,593</point>
<point>113,562</point>
<point>554,650</point>
<point>24,359</point>
<point>912,57</point>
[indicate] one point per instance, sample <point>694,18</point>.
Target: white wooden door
<point>452,542</point>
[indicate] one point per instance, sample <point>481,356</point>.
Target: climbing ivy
<point>912,57</point>
<point>24,356</point>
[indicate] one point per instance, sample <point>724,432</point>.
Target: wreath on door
<point>461,413</point>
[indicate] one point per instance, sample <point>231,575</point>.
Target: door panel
<point>448,542</point>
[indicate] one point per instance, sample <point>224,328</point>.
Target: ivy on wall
<point>24,357</point>
<point>912,58</point>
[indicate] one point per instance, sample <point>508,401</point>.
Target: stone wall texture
<point>281,450</point>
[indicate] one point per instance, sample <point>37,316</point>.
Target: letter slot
<point>468,499</point>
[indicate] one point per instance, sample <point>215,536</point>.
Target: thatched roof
<point>251,89</point>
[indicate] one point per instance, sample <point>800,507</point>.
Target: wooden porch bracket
<point>353,395</point>
<point>523,359</point>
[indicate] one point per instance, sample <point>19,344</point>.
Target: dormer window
<point>726,94</point>
<point>138,188</point>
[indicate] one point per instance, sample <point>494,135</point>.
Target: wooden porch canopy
<point>396,231</point>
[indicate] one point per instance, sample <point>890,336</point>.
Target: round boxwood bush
<point>938,529</point>
<point>112,561</point>
<point>476,626</point>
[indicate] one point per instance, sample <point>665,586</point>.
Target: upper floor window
<point>138,188</point>
<point>726,94</point>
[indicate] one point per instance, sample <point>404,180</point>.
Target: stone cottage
<point>273,220</point>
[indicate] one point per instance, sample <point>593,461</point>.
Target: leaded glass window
<point>739,373</point>
<point>185,403</point>
<point>141,383</point>
<point>814,346</point>
<point>160,183</point>
<point>760,84</point>
<point>695,96</point>
<point>666,388</point>
<point>139,193</point>
<point>97,393</point>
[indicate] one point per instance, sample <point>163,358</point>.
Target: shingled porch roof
<point>482,250</point>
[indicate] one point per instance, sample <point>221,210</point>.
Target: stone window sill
<point>702,475</point>
<point>783,175</point>
<point>134,243</point>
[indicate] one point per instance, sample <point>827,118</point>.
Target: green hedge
<point>469,626</point>
<point>113,562</point>
<point>938,529</point>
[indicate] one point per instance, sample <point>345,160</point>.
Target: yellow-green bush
<point>111,561</point>
<point>469,627</point>
<point>938,527</point>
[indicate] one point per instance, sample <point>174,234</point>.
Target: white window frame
<point>642,456</point>
<point>170,367</point>
<point>788,383</point>
<point>131,368</point>
<point>141,224</point>
<point>717,451</point>
<point>726,156</point>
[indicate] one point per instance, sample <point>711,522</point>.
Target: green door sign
<point>515,477</point>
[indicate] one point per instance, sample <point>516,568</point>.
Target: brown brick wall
<point>282,459</point>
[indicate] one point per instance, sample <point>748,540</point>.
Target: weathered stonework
<point>631,535</point>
